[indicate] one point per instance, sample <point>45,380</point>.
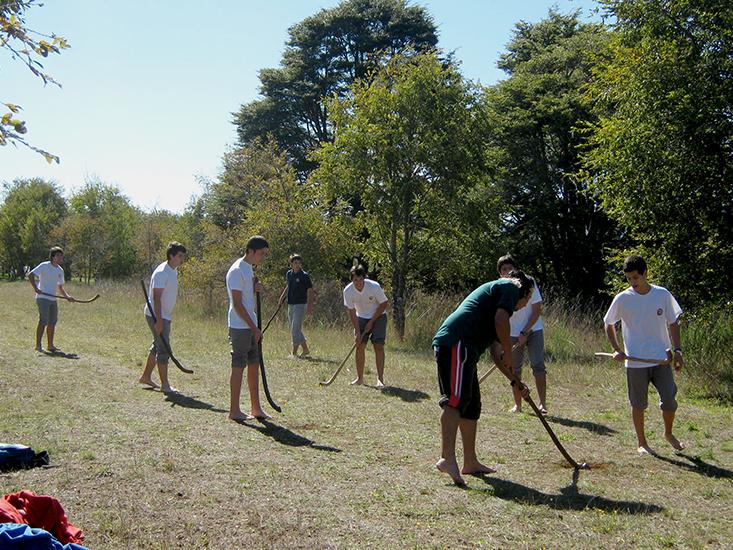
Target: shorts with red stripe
<point>458,379</point>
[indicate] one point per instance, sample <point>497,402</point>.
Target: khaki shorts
<point>663,380</point>
<point>158,347</point>
<point>244,348</point>
<point>48,312</point>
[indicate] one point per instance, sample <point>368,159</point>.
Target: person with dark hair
<point>50,278</point>
<point>163,291</point>
<point>300,295</point>
<point>649,316</point>
<point>243,331</point>
<point>481,319</point>
<point>367,305</point>
<point>527,332</point>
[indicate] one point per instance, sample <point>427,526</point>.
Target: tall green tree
<point>661,156</point>
<point>550,222</point>
<point>407,143</point>
<point>324,55</point>
<point>99,232</point>
<point>27,46</point>
<point>31,210</point>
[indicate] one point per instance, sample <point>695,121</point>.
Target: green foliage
<point>549,222</point>
<point>99,231</point>
<point>30,211</point>
<point>325,53</point>
<point>26,46</point>
<point>405,145</point>
<point>660,156</point>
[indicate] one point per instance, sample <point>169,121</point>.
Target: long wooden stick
<point>69,299</point>
<point>265,387</point>
<point>166,345</point>
<point>665,361</point>
<point>338,370</point>
<point>273,316</point>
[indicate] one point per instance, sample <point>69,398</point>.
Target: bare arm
<point>157,308</point>
<point>503,333</point>
<point>32,279</point>
<point>282,295</point>
<point>618,354</point>
<point>536,312</point>
<point>311,300</point>
<point>242,312</point>
<point>674,333</point>
<point>65,294</point>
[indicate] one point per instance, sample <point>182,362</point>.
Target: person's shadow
<point>190,402</point>
<point>410,396</point>
<point>61,354</point>
<point>590,426</point>
<point>316,359</point>
<point>697,465</point>
<point>568,499</point>
<point>283,435</point>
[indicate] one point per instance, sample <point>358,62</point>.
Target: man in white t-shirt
<point>527,332</point>
<point>45,279</point>
<point>648,316</point>
<point>163,291</point>
<point>243,331</point>
<point>367,304</point>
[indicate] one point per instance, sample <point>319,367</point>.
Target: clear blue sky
<point>149,86</point>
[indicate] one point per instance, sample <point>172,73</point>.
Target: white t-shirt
<point>48,278</point>
<point>365,302</point>
<point>644,320</point>
<point>240,277</point>
<point>164,277</point>
<point>519,318</point>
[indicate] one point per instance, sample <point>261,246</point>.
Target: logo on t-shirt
<point>660,311</point>
<point>371,298</point>
<point>297,280</point>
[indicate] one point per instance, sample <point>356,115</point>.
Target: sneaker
<point>39,349</point>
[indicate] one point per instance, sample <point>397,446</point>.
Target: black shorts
<point>458,379</point>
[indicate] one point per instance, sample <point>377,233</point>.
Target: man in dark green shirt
<point>481,319</point>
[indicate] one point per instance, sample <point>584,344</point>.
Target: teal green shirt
<point>473,321</point>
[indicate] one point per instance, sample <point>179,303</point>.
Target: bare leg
<point>638,417</point>
<point>447,464</point>
<point>304,345</point>
<point>517,398</point>
<point>379,356</point>
<point>541,383</point>
<point>50,331</point>
<point>253,381</point>
<point>146,376</point>
<point>295,350</point>
<point>471,464</point>
<point>163,373</point>
<point>360,357</point>
<point>39,335</point>
<point>235,389</point>
<point>668,417</point>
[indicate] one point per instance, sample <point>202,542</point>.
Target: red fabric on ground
<point>43,512</point>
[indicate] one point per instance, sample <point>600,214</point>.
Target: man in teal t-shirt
<point>481,319</point>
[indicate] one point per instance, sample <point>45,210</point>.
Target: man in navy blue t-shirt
<point>301,296</point>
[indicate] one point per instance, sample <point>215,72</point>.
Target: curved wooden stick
<point>162,338</point>
<point>265,387</point>
<point>70,300</point>
<point>273,316</point>
<point>665,361</point>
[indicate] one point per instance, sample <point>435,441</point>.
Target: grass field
<point>342,466</point>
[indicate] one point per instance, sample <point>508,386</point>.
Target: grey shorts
<point>48,312</point>
<point>244,348</point>
<point>379,329</point>
<point>661,377</point>
<point>158,347</point>
<point>536,350</point>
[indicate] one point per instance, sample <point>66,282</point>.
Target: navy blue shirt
<point>298,285</point>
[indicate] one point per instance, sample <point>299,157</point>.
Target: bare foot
<point>380,384</point>
<point>515,409</point>
<point>239,416</point>
<point>644,450</point>
<point>357,382</point>
<point>169,389</point>
<point>477,468</point>
<point>148,382</point>
<point>450,468</point>
<point>260,415</point>
<point>676,444</point>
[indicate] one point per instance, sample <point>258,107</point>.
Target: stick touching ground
<point>338,370</point>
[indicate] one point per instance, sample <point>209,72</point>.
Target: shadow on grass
<point>190,403</point>
<point>287,437</point>
<point>568,499</point>
<point>697,465</point>
<point>590,426</point>
<point>410,396</point>
<point>61,354</point>
<point>312,359</point>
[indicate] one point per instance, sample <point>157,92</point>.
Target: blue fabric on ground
<point>25,537</point>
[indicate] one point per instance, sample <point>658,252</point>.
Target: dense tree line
<point>367,142</point>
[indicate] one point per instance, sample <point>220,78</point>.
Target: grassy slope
<point>342,467</point>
